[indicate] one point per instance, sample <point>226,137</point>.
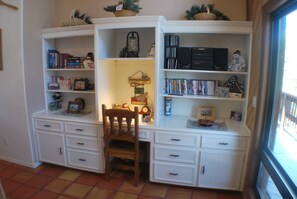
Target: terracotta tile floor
<point>51,181</point>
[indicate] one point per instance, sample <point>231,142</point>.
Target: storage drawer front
<point>82,142</point>
<point>49,125</point>
<point>81,129</point>
<point>176,139</point>
<point>176,174</point>
<point>236,143</point>
<point>89,160</point>
<point>176,155</point>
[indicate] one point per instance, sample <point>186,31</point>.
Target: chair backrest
<point>120,124</point>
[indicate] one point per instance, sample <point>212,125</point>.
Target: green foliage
<point>127,4</point>
<point>196,9</point>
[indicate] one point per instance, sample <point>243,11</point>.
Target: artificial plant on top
<point>124,5</point>
<point>209,8</point>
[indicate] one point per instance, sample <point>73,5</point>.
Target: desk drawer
<point>175,174</point>
<point>88,160</point>
<point>175,154</point>
<point>224,142</point>
<point>81,129</point>
<point>178,139</point>
<point>48,125</point>
<point>79,142</point>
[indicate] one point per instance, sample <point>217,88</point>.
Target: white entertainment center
<point>178,155</point>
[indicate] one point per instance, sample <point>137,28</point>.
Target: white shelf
<point>72,91</point>
<point>69,69</point>
<point>129,59</point>
<point>205,97</point>
<point>205,71</point>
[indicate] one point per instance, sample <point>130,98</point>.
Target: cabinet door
<point>51,147</point>
<point>221,169</point>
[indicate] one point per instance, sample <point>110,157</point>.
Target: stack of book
<point>63,60</point>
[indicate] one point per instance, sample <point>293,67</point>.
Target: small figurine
<point>238,63</point>
<point>152,50</point>
<point>89,61</point>
<point>53,106</point>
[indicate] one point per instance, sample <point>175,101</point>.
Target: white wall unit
<point>80,136</point>
<point>178,155</point>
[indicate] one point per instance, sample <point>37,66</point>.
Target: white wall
<point>21,80</point>
<point>170,9</point>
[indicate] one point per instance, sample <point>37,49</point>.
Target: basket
<point>205,16</point>
<point>124,13</point>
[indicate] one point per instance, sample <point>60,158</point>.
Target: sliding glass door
<point>277,176</point>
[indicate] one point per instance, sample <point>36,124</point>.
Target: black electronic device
<point>220,61</point>
<point>184,58</point>
<point>202,58</point>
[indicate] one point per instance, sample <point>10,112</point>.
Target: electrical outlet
<point>254,101</point>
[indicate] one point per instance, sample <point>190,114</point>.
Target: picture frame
<point>80,84</point>
<point>222,91</point>
<point>206,113</point>
<point>73,107</point>
<point>234,115</point>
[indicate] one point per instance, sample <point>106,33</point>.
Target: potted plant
<point>205,12</point>
<point>124,8</point>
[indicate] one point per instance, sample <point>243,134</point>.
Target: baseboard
<point>27,164</point>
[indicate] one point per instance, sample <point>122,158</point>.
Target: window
<point>277,176</point>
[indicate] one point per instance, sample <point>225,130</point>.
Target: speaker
<point>184,58</point>
<point>220,61</point>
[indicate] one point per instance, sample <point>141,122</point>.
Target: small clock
<point>145,110</point>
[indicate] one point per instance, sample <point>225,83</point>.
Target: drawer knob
<point>175,140</point>
<point>47,125</point>
<point>79,129</point>
<point>80,143</point>
<point>60,151</point>
<point>174,155</point>
<point>173,174</point>
<point>83,160</point>
<point>224,143</point>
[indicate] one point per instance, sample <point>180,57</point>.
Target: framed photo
<point>222,91</point>
<point>206,113</point>
<point>234,115</point>
<point>73,107</point>
<point>80,84</point>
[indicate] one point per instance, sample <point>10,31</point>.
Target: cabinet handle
<point>60,150</point>
<point>47,125</point>
<point>173,174</point>
<point>203,169</point>
<point>175,140</point>
<point>174,155</point>
<point>224,143</point>
<point>79,129</point>
<point>80,143</point>
<point>83,160</point>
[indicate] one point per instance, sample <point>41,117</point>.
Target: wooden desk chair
<point>121,141</point>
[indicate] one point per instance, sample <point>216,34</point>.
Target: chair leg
<point>136,172</point>
<point>107,168</point>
